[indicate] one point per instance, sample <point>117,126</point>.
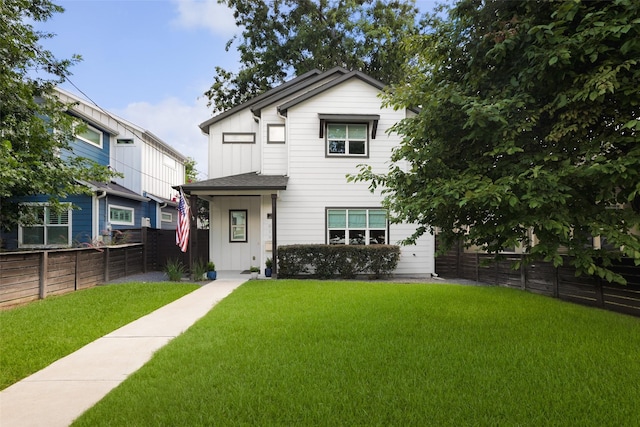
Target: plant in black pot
<point>211,271</point>
<point>268,264</point>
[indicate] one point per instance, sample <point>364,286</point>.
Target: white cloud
<point>208,14</point>
<point>176,123</point>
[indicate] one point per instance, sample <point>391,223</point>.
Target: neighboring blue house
<point>143,197</point>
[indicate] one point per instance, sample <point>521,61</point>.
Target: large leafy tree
<point>281,38</point>
<point>30,150</point>
<point>528,132</point>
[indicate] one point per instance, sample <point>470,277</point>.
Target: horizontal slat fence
<point>543,278</point>
<point>30,275</point>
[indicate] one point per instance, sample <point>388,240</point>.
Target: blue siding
<point>89,151</point>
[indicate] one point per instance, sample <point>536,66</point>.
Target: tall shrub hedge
<point>337,261</point>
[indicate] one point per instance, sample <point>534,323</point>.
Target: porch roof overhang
<point>243,184</point>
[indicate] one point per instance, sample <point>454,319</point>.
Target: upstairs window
<point>347,139</point>
<point>357,226</point>
<point>50,229</point>
<point>91,135</point>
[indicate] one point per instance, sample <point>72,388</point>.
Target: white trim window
<point>357,226</point>
<point>91,135</point>
<point>121,215</point>
<point>50,229</point>
<point>347,139</point>
<point>166,217</point>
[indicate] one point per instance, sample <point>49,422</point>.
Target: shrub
<point>343,261</point>
<point>175,270</point>
<point>198,270</point>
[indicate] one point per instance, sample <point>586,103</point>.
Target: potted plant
<point>268,264</point>
<point>211,271</point>
<point>254,271</point>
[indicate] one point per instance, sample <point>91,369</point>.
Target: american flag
<point>183,229</point>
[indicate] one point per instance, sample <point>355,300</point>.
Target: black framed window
<point>238,229</point>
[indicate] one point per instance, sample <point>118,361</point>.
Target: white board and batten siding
<point>226,159</point>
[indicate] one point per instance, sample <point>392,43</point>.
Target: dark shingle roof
<point>245,181</point>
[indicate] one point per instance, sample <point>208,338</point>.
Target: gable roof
<point>245,181</point>
<point>204,126</point>
<point>282,109</point>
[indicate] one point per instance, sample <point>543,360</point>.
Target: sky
<point>149,61</point>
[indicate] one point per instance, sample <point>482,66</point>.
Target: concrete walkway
<point>58,394</point>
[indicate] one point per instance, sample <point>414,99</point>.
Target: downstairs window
<point>357,226</point>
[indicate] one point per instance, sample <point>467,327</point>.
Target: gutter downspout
<point>96,217</point>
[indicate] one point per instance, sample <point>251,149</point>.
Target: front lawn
<point>292,352</point>
<point>35,335</point>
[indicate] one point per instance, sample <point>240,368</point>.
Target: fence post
<point>143,238</point>
<point>106,264</point>
<point>44,265</point>
<point>523,274</point>
<point>75,279</point>
<point>599,293</point>
<point>556,282</point>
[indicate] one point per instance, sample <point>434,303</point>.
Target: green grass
<point>348,353</point>
<point>35,335</point>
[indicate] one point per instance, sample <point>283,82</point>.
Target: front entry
<point>235,232</point>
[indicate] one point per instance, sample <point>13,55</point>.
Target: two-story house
<point>278,168</point>
<point>142,196</point>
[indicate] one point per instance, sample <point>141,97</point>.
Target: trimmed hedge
<point>342,261</point>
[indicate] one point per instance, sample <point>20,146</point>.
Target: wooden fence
<point>543,278</point>
<point>30,275</point>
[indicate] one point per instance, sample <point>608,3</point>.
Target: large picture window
<point>51,229</point>
<point>347,139</point>
<point>238,225</point>
<point>357,226</point>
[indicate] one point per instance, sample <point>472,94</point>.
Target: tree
<point>281,38</point>
<point>30,150</point>
<point>528,132</point>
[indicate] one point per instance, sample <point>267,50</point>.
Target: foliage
<point>322,353</point>
<point>529,126</point>
<point>211,266</point>
<point>344,261</point>
<point>175,270</point>
<point>281,38</point>
<point>35,335</point>
<point>198,270</point>
<point>268,263</point>
<point>254,269</point>
<point>30,152</point>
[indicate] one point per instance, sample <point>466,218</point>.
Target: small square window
<point>275,134</point>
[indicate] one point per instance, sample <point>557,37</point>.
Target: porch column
<point>274,236</point>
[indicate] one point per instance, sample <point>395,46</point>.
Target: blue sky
<point>149,61</point>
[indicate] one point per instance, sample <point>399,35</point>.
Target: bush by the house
<point>343,261</point>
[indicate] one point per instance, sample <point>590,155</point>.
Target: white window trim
<point>21,243</point>
<point>93,144</point>
<point>169,215</point>
<point>125,208</point>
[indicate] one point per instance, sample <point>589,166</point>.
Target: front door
<point>235,232</point>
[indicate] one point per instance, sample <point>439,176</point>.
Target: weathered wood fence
<point>543,278</point>
<point>30,275</point>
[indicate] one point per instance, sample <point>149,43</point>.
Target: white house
<point>150,166</point>
<point>278,166</point>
